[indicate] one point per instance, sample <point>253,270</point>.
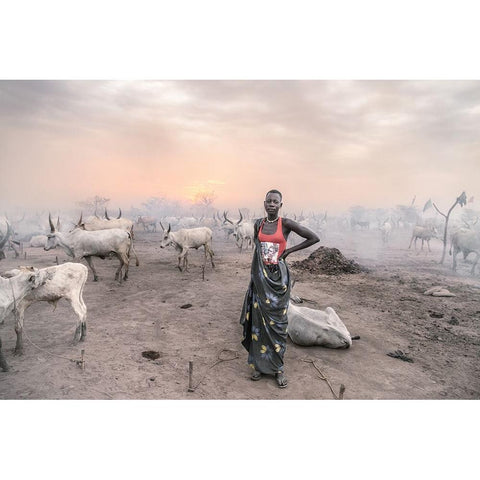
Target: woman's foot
<point>281,380</point>
<point>256,375</point>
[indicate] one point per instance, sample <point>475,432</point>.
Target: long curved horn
<point>119,213</point>
<point>52,227</point>
<point>3,241</point>
<point>241,217</point>
<point>169,228</point>
<point>163,228</point>
<point>226,219</point>
<point>58,222</point>
<point>81,218</point>
<point>106,214</point>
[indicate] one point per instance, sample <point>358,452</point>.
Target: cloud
<point>158,136</point>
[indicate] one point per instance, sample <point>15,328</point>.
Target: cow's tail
<point>451,245</point>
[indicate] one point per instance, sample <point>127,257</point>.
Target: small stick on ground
<point>190,377</point>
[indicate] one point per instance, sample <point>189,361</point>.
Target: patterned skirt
<point>264,315</point>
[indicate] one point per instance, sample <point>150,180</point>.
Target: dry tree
<point>461,200</point>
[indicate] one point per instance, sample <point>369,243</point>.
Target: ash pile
<point>328,261</point>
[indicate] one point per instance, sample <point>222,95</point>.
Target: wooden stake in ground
<point>83,361</point>
<point>190,377</point>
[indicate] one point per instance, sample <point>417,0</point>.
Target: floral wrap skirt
<point>264,314</point>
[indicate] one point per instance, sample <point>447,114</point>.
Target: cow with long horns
<point>99,243</point>
<point>93,224</point>
<point>243,231</point>
<point>187,238</point>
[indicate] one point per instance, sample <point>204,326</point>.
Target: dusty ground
<point>385,307</point>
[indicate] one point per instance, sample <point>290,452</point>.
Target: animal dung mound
<point>151,354</point>
<point>329,261</point>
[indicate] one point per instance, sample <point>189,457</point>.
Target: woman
<point>264,312</point>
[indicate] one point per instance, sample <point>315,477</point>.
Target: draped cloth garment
<point>264,312</point>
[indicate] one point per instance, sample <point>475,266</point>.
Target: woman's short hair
<point>274,191</point>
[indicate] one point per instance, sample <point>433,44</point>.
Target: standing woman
<point>264,312</point>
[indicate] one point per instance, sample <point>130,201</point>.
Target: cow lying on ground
<point>63,281</point>
<point>308,327</point>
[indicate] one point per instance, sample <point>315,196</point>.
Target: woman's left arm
<point>310,236</point>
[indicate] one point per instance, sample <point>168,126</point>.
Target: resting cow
<point>308,327</point>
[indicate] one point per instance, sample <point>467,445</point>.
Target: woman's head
<point>274,191</point>
<point>273,202</point>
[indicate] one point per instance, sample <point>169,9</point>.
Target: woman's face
<point>272,203</point>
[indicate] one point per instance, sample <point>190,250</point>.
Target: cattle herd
<point>100,238</point>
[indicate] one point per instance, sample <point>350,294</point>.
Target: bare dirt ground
<point>385,307</point>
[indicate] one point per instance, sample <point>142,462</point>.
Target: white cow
<point>63,281</point>
<point>187,238</point>
<point>424,233</point>
<point>308,327</point>
<point>386,230</point>
<point>466,241</point>
<point>99,243</point>
<point>149,223</point>
<point>243,231</point>
<point>38,241</point>
<point>93,224</point>
<point>12,291</point>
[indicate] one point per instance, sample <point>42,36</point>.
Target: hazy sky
<point>327,145</point>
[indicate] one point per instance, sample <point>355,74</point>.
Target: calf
<point>63,281</point>
<point>425,233</point>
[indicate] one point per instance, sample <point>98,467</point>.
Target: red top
<point>272,245</point>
